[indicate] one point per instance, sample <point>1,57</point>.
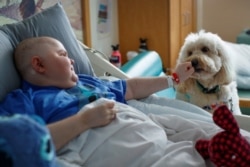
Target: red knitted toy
<point>227,148</point>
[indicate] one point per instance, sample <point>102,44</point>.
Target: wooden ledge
<point>245,102</point>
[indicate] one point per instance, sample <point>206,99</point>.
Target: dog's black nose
<point>194,63</point>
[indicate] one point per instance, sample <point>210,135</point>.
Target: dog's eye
<point>190,53</point>
<point>204,49</point>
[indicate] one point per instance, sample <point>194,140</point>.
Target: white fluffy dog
<point>213,82</point>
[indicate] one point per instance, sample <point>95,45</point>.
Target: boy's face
<point>58,66</point>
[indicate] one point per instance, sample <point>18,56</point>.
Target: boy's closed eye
<point>63,53</point>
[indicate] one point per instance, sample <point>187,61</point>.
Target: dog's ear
<point>227,72</point>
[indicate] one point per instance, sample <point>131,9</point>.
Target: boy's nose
<point>72,61</point>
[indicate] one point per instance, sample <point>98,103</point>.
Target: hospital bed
<point>106,70</point>
<point>53,22</point>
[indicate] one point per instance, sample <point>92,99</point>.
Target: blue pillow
<point>52,22</point>
<point>25,141</point>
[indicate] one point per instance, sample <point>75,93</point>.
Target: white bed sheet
<point>135,139</point>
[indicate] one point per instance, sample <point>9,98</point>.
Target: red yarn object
<point>227,148</point>
<point>176,78</point>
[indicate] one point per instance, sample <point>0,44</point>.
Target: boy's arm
<point>138,88</point>
<point>67,129</point>
<point>142,87</point>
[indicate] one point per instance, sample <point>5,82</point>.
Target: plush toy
<point>25,142</point>
<point>228,148</point>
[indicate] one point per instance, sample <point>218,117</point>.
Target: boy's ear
<point>37,64</point>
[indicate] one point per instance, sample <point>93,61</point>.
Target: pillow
<point>51,22</point>
<point>240,53</point>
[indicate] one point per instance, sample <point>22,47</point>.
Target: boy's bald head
<point>28,48</point>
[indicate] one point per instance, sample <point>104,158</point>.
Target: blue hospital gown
<point>53,103</point>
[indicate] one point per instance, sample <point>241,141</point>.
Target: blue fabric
<point>144,64</point>
<point>53,104</point>
<point>25,142</point>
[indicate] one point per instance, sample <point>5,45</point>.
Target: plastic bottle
<point>143,45</point>
<point>115,57</point>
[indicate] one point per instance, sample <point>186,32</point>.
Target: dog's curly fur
<point>213,82</point>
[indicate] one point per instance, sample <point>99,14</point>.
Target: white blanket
<point>135,139</point>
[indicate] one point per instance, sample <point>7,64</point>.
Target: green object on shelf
<point>146,63</point>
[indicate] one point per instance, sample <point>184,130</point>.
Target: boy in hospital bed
<point>92,132</point>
